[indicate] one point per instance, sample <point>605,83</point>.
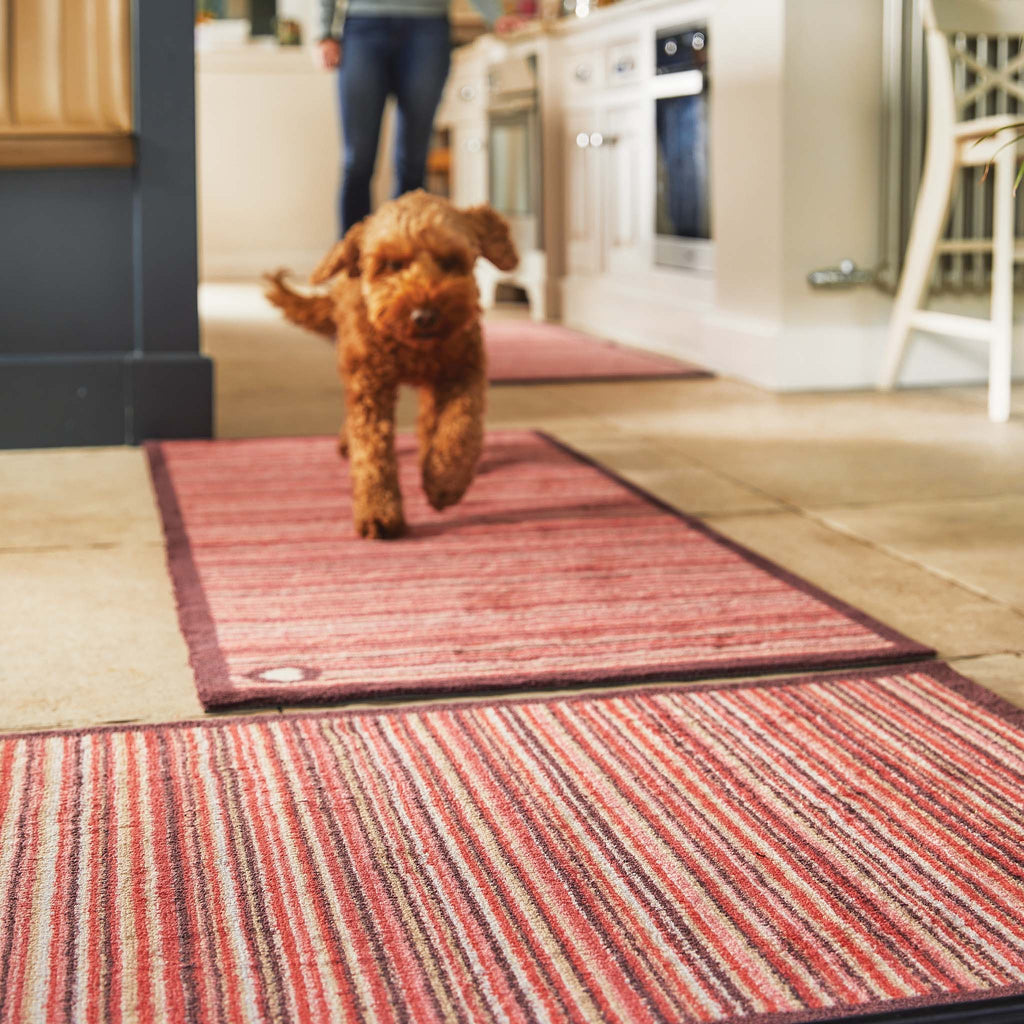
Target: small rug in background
<point>527,352</point>
<point>550,571</point>
<point>782,851</point>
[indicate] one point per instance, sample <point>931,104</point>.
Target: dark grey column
<point>99,335</point>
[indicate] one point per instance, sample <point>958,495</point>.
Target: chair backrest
<point>974,17</point>
<point>945,18</point>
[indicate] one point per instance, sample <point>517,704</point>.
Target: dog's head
<point>414,258</point>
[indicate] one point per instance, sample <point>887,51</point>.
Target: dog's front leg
<point>370,425</point>
<point>451,433</point>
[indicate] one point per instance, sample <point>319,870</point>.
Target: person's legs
<point>421,67</point>
<point>363,83</point>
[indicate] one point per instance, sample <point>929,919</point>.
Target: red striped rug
<point>527,352</point>
<point>550,571</point>
<point>780,851</point>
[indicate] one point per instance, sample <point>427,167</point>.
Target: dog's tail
<point>314,312</point>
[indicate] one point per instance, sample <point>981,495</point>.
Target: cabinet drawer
<point>465,98</point>
<point>622,63</point>
<point>584,72</point>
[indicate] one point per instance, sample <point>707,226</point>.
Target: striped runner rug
<point>527,352</point>
<point>549,571</point>
<point>783,851</point>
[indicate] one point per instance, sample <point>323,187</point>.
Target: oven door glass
<point>681,209</point>
<point>515,173</point>
<point>511,164</point>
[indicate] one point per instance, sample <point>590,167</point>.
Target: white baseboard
<point>841,355</point>
<point>251,264</point>
<point>814,357</point>
<point>613,309</point>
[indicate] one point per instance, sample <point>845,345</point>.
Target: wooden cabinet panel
<point>65,67</point>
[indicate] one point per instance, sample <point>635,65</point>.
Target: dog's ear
<point>491,232</point>
<point>344,256</point>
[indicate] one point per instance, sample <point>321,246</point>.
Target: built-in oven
<point>682,219</point>
<point>513,117</point>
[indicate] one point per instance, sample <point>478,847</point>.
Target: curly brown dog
<point>405,306</point>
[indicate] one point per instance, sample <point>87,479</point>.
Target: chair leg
<point>929,216</point>
<point>1001,344</point>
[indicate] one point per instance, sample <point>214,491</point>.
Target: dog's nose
<point>424,317</point>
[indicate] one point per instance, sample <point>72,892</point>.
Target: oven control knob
<point>671,47</point>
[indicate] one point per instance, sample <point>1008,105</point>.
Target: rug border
<point>618,378</point>
<point>213,680</point>
<point>907,1010</point>
<point>195,620</point>
<point>940,671</point>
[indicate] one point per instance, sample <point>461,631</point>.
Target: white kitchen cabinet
<point>604,194</point>
<point>607,89</point>
<point>596,81</point>
<point>583,188</point>
<point>625,206</point>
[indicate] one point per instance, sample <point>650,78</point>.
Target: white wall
<point>269,145</point>
<point>746,156</point>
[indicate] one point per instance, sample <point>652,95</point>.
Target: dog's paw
<point>441,499</point>
<point>444,485</point>
<point>380,528</point>
<point>442,493</point>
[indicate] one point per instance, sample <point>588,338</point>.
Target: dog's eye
<point>393,266</point>
<point>451,264</point>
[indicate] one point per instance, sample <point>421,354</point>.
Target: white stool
<point>952,144</point>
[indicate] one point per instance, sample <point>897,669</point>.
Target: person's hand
<point>510,23</point>
<point>328,54</point>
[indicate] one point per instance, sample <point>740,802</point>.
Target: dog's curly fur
<point>404,304</point>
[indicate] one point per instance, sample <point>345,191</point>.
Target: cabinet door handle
<point>474,145</point>
<point>583,72</point>
<point>595,140</point>
<point>467,92</point>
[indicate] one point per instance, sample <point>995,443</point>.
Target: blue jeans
<point>404,56</point>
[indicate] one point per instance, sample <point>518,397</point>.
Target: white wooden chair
<point>954,143</point>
